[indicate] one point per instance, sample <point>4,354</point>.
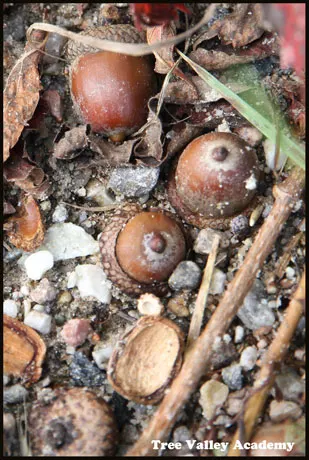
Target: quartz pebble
<point>248,358</point>
<point>68,241</point>
<point>290,384</point>
<point>254,313</point>
<point>149,304</point>
<point>204,240</point>
<point>187,275</point>
<point>217,282</point>
<point>14,394</point>
<point>85,373</point>
<point>239,334</point>
<point>75,331</point>
<point>178,305</point>
<point>39,263</point>
<point>213,394</point>
<point>232,376</point>
<point>133,181</point>
<point>280,410</point>
<point>39,321</point>
<point>10,308</point>
<point>92,281</point>
<point>44,292</point>
<point>39,307</point>
<point>60,214</point>
<point>101,354</point>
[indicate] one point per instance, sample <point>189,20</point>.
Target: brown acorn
<point>140,249</point>
<point>215,179</point>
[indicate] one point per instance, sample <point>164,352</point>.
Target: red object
<point>156,14</point>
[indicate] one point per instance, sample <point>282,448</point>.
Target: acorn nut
<point>215,179</point>
<point>140,249</point>
<point>110,90</point>
<point>146,360</point>
<point>74,423</point>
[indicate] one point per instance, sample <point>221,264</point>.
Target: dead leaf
<point>222,57</point>
<point>69,143</point>
<point>25,230</point>
<point>112,154</point>
<point>8,208</point>
<point>53,101</point>
<point>164,57</point>
<point>21,95</point>
<point>24,350</point>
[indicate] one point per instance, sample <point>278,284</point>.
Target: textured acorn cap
<point>146,360</point>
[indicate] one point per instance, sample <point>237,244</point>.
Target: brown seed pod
<point>110,91</point>
<point>23,350</point>
<point>74,423</point>
<point>215,179</point>
<point>140,249</point>
<point>146,360</point>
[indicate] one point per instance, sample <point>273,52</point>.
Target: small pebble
<point>99,193</point>
<point>38,263</point>
<point>280,410</point>
<point>64,297</point>
<point>75,331</point>
<point>187,275</point>
<point>232,377</point>
<point>290,384</point>
<point>45,205</point>
<point>41,322</point>
<point>10,308</point>
<point>239,225</point>
<point>72,280</point>
<point>248,358</point>
<point>44,292</point>
<point>92,281</point>
<point>217,282</point>
<point>60,214</point>
<point>101,354</point>
<point>81,192</point>
<point>39,307</point>
<point>290,273</point>
<point>85,373</point>
<point>262,344</point>
<point>14,394</point>
<point>149,304</point>
<point>227,338</point>
<point>6,380</point>
<point>133,181</point>
<point>213,394</point>
<point>239,334</point>
<point>25,291</point>
<point>178,306</point>
<point>254,314</point>
<point>204,240</point>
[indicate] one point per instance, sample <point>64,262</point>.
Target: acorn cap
<point>146,360</point>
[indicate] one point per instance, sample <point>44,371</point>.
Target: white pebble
<point>81,192</point>
<point>10,308</point>
<point>213,394</point>
<point>25,291</point>
<point>72,280</point>
<point>217,282</point>
<point>248,358</point>
<point>101,356</point>
<point>239,334</point>
<point>41,322</point>
<point>290,273</point>
<point>227,338</point>
<point>251,183</point>
<point>60,214</point>
<point>27,307</point>
<point>39,307</point>
<point>92,281</point>
<point>39,263</point>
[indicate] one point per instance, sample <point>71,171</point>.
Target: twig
<point>275,354</point>
<point>108,207</point>
<point>196,365</point>
<point>200,304</point>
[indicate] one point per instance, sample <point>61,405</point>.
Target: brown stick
<point>194,367</point>
<point>266,376</point>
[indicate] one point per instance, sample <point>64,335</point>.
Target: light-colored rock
<point>178,305</point>
<point>14,394</point>
<point>133,181</point>
<point>39,263</point>
<point>213,394</point>
<point>60,214</point>
<point>204,240</point>
<point>187,275</point>
<point>10,308</point>
<point>75,331</point>
<point>239,334</point>
<point>290,384</point>
<point>255,312</point>
<point>92,281</point>
<point>101,355</point>
<point>217,282</point>
<point>44,292</point>
<point>39,321</point>
<point>99,193</point>
<point>232,376</point>
<point>67,241</point>
<point>279,411</point>
<point>248,358</point>
<point>149,304</point>
<point>39,307</point>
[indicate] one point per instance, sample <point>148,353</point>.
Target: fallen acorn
<point>74,423</point>
<point>146,360</point>
<point>24,350</point>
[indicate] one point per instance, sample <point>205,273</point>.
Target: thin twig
<point>275,354</point>
<point>108,207</point>
<point>201,301</point>
<point>196,365</point>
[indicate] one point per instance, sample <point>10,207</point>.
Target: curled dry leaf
<point>25,230</point>
<point>222,57</point>
<point>21,96</point>
<point>146,360</point>
<point>24,350</point>
<point>8,208</point>
<point>242,26</point>
<point>111,153</point>
<point>180,136</point>
<point>164,56</point>
<point>21,170</point>
<point>54,103</point>
<point>69,143</point>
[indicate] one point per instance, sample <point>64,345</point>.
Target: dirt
<point>68,180</point>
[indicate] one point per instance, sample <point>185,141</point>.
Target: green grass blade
<point>289,146</point>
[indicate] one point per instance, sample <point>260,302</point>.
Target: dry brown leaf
<point>164,57</point>
<point>21,96</point>
<point>111,154</point>
<point>8,208</point>
<point>54,103</point>
<point>25,230</point>
<point>70,142</point>
<point>24,350</point>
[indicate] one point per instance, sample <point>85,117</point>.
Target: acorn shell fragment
<point>146,360</point>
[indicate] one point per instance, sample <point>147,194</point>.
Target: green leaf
<point>288,145</point>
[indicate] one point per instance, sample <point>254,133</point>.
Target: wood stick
<point>266,376</point>
<point>200,304</point>
<point>195,366</point>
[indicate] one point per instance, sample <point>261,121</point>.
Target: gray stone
<point>239,225</point>
<point>44,292</point>
<point>248,358</point>
<point>232,377</point>
<point>280,410</point>
<point>60,214</point>
<point>133,181</point>
<point>187,275</point>
<point>204,240</point>
<point>290,385</point>
<point>254,313</point>
<point>14,394</point>
<point>85,373</point>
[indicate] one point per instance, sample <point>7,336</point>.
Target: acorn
<point>74,422</point>
<point>110,90</point>
<point>140,249</point>
<point>215,179</point>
